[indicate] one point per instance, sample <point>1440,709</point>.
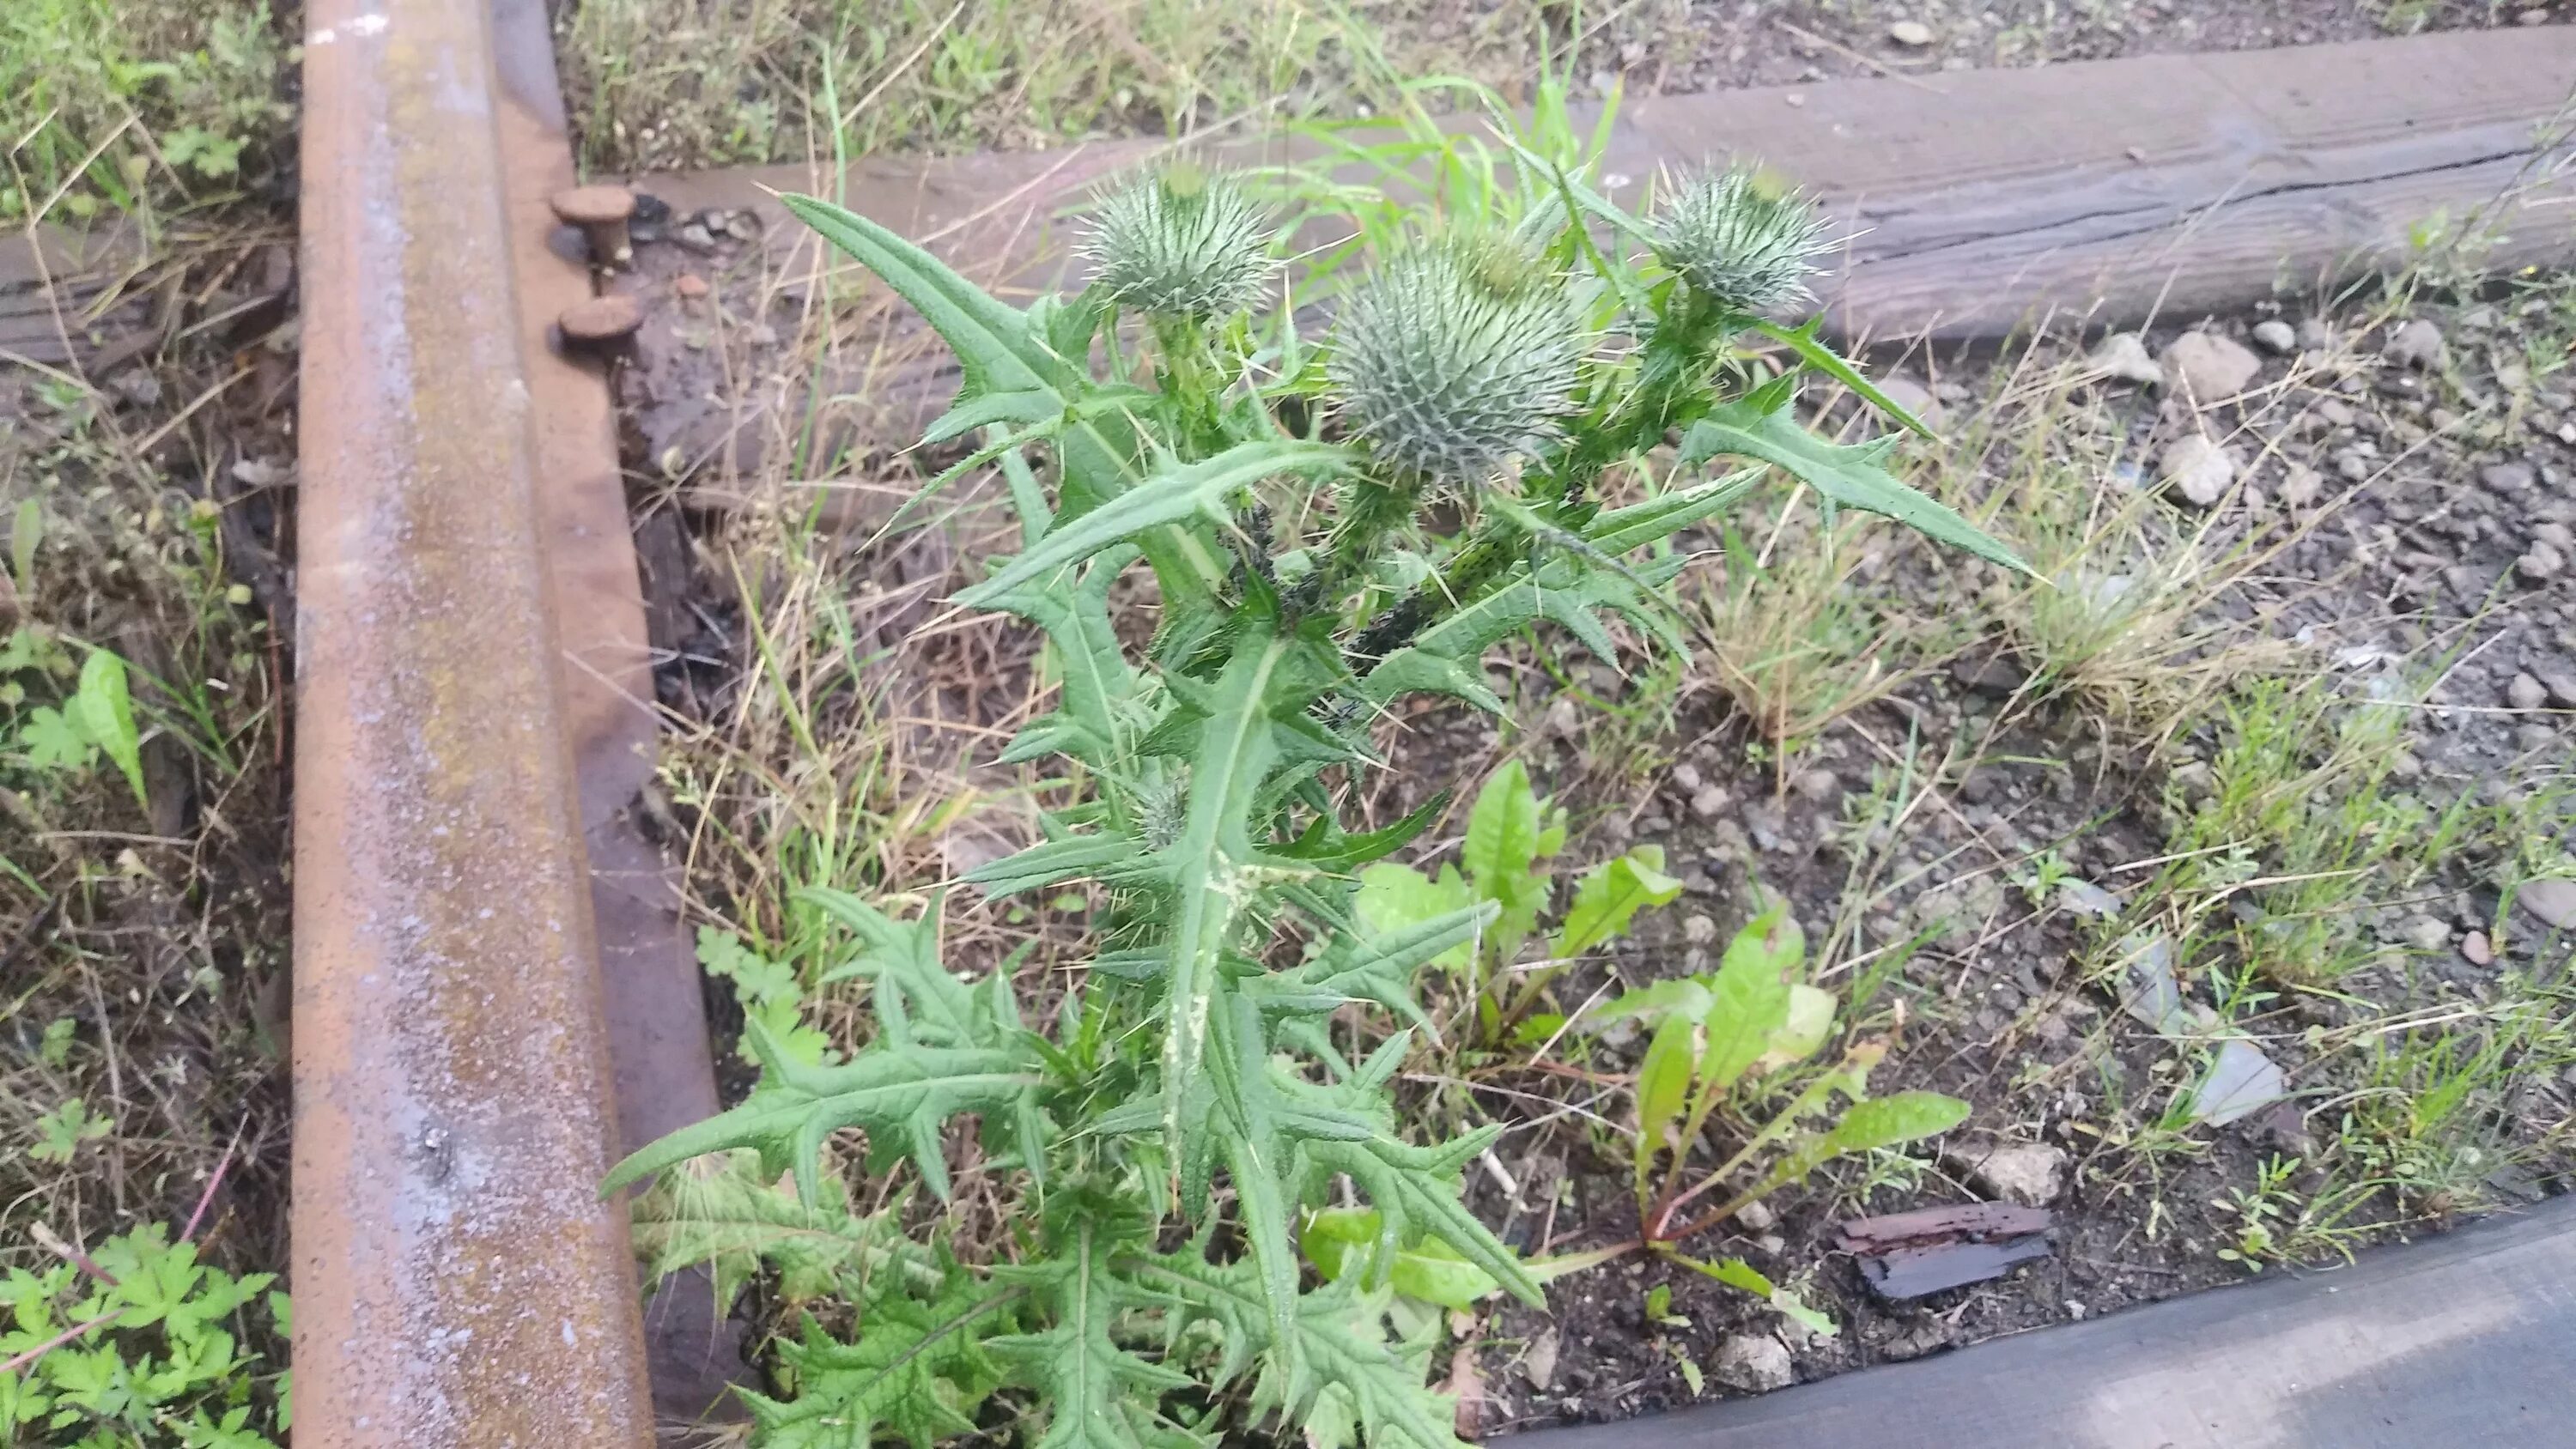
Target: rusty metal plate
<point>458,1281</point>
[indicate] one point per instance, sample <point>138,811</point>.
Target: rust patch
<point>458,1282</point>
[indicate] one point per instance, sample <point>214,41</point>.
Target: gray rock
<point>1820,786</point>
<point>2352,465</point>
<point>2209,367</point>
<point>2315,335</point>
<point>2276,336</point>
<point>1707,802</point>
<point>2337,412</point>
<point>1753,1362</point>
<point>1538,1361</point>
<point>2428,934</point>
<point>2540,562</point>
<point>2196,468</point>
<point>2301,486</point>
<point>2087,899</point>
<point>1699,930</point>
<point>2553,902</point>
<point>2511,477</point>
<point>2526,693</point>
<point>1756,1216</point>
<point>1912,396</point>
<point>2417,344</point>
<point>2123,355</point>
<point>2241,1081</point>
<point>2561,686</point>
<point>2029,1173</point>
<point>1912,34</point>
<point>695,237</point>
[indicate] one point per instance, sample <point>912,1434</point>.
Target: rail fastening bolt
<point>602,213</point>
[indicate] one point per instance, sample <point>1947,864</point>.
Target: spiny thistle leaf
<point>1456,358</point>
<point>1852,476</point>
<point>1099,1395</point>
<point>900,1095</point>
<point>1415,1190</point>
<point>1098,684</point>
<point>1179,243</point>
<point>725,1213</point>
<point>1178,493</point>
<point>918,1370</point>
<point>1740,239</point>
<point>1337,1342</point>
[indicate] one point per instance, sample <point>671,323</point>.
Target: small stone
<point>1756,1216</point>
<point>1686,775</point>
<point>2315,335</point>
<point>2428,934</point>
<point>1993,676</point>
<point>2540,562</point>
<point>2301,486</point>
<point>1753,1362</point>
<point>2476,949</point>
<point>2417,344</point>
<point>1699,930</point>
<point>2352,465</point>
<point>2561,685</point>
<point>2533,16</point>
<point>2337,412</point>
<point>2196,468</point>
<point>1538,1361</point>
<point>1820,786</point>
<point>2241,1081</point>
<point>2526,693</point>
<point>1912,396</point>
<point>2276,337</point>
<point>2282,1128</point>
<point>137,385</point>
<point>1912,34</point>
<point>1707,802</point>
<point>2029,1173</point>
<point>695,237</point>
<point>2123,355</point>
<point>690,286</point>
<point>2208,367</point>
<point>2552,901</point>
<point>2511,477</point>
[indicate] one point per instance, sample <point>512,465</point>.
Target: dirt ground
<point>2425,551</point>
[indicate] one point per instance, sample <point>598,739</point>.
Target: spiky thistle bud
<point>1740,239</point>
<point>1179,243</point>
<point>1456,357</point>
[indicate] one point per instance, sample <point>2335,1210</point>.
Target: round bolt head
<point>601,322</point>
<point>592,205</point>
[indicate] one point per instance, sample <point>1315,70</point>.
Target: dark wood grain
<point>2119,189</point>
<point>2462,1341</point>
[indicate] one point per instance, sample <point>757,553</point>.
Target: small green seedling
<point>61,1132</point>
<point>1711,1038</point>
<point>137,1343</point>
<point>97,718</point>
<point>1512,834</point>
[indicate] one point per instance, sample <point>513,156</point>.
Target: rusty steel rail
<point>458,1280</point>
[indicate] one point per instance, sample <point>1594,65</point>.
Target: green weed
<point>1273,487</point>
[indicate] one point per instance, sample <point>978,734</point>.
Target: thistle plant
<point>1740,240</point>
<point>1173,1126</point>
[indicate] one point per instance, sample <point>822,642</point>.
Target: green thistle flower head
<point>1179,243</point>
<point>1740,239</point>
<point>1456,357</point>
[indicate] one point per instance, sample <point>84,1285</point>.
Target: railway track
<point>493,997</point>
